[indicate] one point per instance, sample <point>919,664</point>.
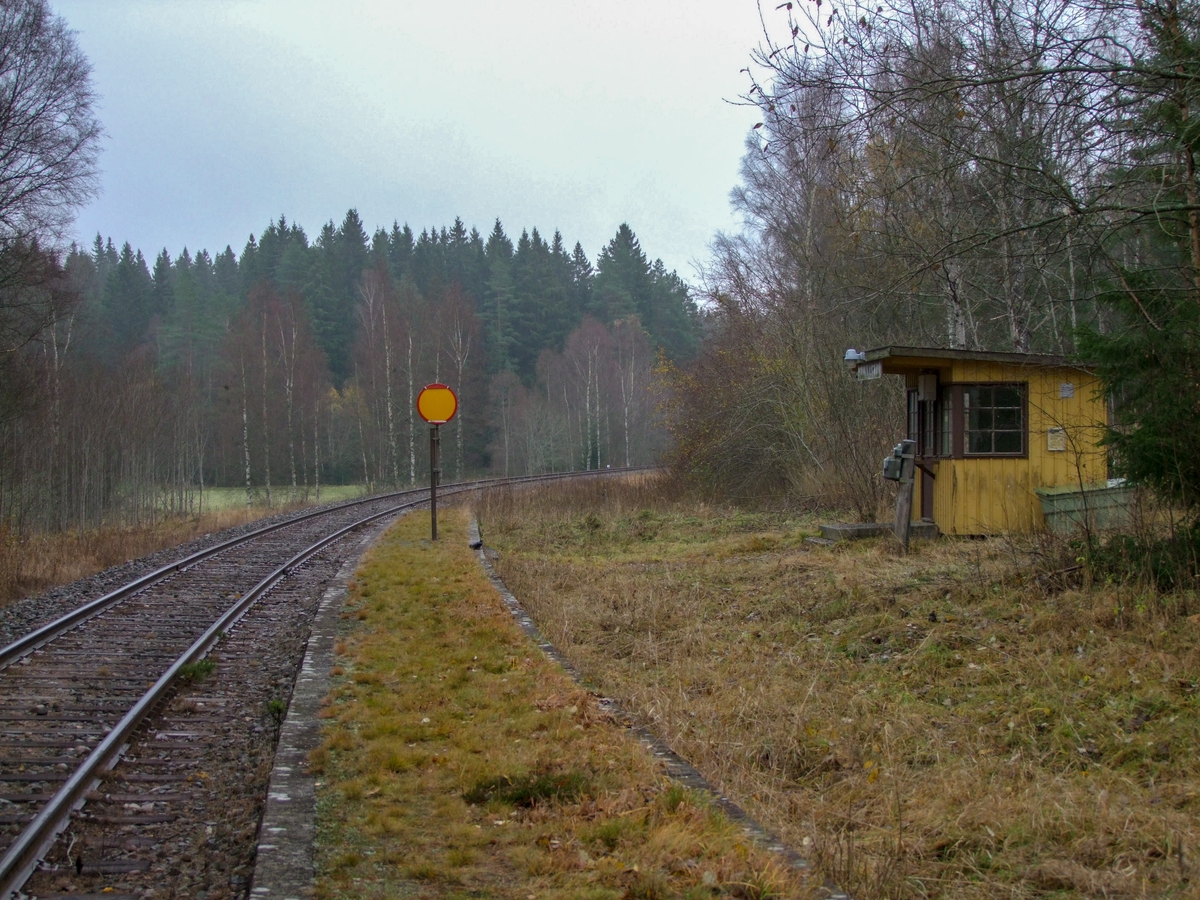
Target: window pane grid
<point>994,419</point>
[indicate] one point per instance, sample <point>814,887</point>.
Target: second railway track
<point>157,792</point>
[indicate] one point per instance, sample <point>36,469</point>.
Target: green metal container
<point>1098,507</point>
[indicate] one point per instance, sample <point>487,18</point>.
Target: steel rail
<point>27,643</point>
<point>24,854</point>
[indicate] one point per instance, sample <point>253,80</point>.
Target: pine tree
<point>293,273</point>
<point>163,277</point>
<point>379,250</point>
<point>627,284</point>
<point>225,267</point>
<point>498,308</point>
<point>179,341</point>
<point>104,255</point>
<point>84,278</point>
<point>465,264</point>
<point>128,301</point>
<point>271,246</point>
<point>675,316</point>
<point>400,250</point>
<point>581,275</point>
<point>248,266</point>
<point>202,268</point>
<point>352,250</point>
<point>428,263</point>
<point>562,310</point>
<point>321,302</point>
<point>623,283</point>
<point>1149,358</point>
<point>541,314</point>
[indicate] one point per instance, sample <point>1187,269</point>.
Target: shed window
<point>994,419</point>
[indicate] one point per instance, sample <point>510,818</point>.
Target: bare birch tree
<point>461,327</point>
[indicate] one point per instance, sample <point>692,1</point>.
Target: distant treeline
<point>296,363</point>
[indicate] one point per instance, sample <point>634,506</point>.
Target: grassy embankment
<point>34,563</point>
<point>458,762</point>
<point>955,723</point>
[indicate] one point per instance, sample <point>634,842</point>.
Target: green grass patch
<point>528,790</point>
<point>197,671</point>
<point>458,762</point>
<point>222,498</point>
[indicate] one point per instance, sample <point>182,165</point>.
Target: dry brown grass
<point>945,724</point>
<point>32,564</point>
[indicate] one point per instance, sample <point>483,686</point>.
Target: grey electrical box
<point>893,465</point>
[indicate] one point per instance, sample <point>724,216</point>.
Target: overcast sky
<point>220,116</point>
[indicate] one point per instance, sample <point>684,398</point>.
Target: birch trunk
<point>246,434</point>
<point>289,380</point>
<point>387,386</point>
<point>317,448</point>
<point>266,432</point>
<point>412,435</point>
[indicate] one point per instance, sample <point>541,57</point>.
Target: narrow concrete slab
<point>853,531</point>
<point>676,766</point>
<point>283,867</point>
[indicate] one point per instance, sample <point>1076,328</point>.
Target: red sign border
<point>437,385</point>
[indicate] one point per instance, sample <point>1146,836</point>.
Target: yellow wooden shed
<point>991,429</point>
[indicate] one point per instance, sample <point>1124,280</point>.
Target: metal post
<point>908,471</point>
<point>435,445</point>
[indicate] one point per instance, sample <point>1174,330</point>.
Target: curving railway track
<point>136,731</point>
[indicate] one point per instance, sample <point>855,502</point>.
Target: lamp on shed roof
<point>854,357</point>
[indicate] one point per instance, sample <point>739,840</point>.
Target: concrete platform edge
<point>283,867</point>
<point>678,768</point>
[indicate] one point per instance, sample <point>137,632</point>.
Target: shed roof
<point>1020,359</point>
<point>926,356</point>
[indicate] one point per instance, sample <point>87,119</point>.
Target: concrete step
<point>853,531</point>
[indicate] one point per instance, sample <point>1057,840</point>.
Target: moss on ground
<point>458,762</point>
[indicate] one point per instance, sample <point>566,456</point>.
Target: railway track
<point>137,731</point>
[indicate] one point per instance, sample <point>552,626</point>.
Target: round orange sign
<point>437,404</point>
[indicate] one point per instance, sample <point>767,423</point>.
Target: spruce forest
<point>296,364</point>
<point>983,175</point>
<point>978,715</point>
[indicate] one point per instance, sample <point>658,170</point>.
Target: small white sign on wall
<point>869,371</point>
<point>1066,390</point>
<point>1056,439</point>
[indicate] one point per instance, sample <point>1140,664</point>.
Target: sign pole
<point>435,472</point>
<point>437,405</point>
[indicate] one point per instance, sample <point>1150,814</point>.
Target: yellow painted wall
<point>993,495</point>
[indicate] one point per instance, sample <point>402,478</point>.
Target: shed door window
<point>945,435</point>
<point>994,419</point>
<point>929,424</point>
